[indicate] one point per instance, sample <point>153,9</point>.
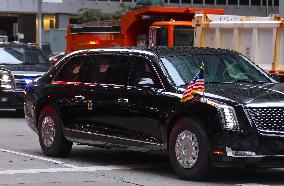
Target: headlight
<point>6,80</point>
<point>228,116</point>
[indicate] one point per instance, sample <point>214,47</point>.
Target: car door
<point>137,112</point>
<point>101,106</point>
<point>65,92</point>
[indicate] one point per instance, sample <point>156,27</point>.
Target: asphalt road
<point>22,163</point>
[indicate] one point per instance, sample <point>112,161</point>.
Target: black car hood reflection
<point>247,93</point>
<point>24,67</point>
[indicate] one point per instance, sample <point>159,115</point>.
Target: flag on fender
<point>195,85</point>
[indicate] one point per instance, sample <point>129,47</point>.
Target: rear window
<point>11,55</point>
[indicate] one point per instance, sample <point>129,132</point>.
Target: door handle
<point>80,97</point>
<point>122,100</point>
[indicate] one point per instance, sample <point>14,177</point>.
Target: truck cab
<point>171,33</point>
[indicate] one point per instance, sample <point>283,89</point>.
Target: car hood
<point>246,93</point>
<point>26,68</point>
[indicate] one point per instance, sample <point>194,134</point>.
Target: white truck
<point>259,38</point>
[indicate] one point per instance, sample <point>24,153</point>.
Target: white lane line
<point>55,170</point>
<point>39,158</point>
<point>251,184</point>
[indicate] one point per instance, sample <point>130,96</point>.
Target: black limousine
<point>126,97</point>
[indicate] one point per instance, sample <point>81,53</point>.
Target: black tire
<point>60,146</point>
<point>201,168</point>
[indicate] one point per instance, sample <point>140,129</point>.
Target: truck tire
<point>51,138</point>
<point>188,150</point>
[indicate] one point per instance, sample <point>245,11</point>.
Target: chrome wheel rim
<point>186,149</point>
<point>48,131</point>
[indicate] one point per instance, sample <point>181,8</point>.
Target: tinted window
<point>108,69</point>
<point>70,71</point>
<point>143,73</point>
<point>218,69</point>
<point>22,55</point>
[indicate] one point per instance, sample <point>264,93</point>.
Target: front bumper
<point>255,160</point>
<point>12,99</point>
<point>231,149</point>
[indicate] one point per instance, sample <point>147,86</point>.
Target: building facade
<point>20,16</point>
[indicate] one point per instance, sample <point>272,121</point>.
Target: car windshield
<point>219,68</point>
<point>22,55</point>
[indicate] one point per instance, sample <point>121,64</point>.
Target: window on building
<point>255,2</point>
<point>269,2</point>
<point>174,1</point>
<point>233,2</point>
<point>48,22</point>
<point>212,2</point>
<point>186,1</point>
<point>244,2</point>
<point>276,2</point>
<point>198,1</point>
<point>221,2</point>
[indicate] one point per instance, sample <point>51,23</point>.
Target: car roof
<point>159,51</point>
<point>18,45</point>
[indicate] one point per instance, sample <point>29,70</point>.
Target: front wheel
<point>188,150</point>
<point>51,138</point>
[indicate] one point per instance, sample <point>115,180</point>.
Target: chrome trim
<point>271,133</point>
<point>248,117</point>
<point>260,131</point>
<point>186,149</point>
<point>264,105</point>
<point>229,152</point>
<point>27,73</point>
<point>115,137</point>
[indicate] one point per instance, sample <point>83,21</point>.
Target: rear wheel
<point>51,138</point>
<point>188,150</point>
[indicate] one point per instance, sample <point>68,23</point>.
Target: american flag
<point>196,85</point>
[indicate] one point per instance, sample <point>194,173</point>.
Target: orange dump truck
<point>145,26</point>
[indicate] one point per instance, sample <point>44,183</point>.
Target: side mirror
<point>275,77</point>
<point>146,82</point>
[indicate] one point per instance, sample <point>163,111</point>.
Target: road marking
<point>39,158</point>
<point>251,184</point>
<point>55,170</point>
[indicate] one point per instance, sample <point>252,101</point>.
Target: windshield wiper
<point>246,81</point>
<point>234,81</point>
<point>219,82</point>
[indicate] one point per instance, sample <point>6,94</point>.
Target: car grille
<point>21,80</point>
<point>267,120</point>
